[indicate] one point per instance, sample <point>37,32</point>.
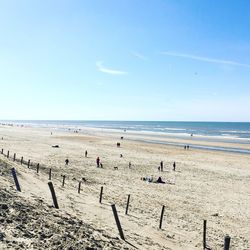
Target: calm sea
<point>230,132</point>
<point>218,129</point>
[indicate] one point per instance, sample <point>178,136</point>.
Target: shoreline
<point>211,143</point>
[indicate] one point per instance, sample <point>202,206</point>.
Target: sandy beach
<point>207,185</point>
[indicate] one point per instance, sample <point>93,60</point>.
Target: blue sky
<point>125,60</point>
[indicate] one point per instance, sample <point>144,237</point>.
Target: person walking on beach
<point>174,165</point>
<point>67,162</point>
<point>86,153</point>
<point>161,165</point>
<point>98,162</point>
<point>129,165</point>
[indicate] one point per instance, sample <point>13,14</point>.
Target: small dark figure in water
<point>101,165</point>
<point>185,147</point>
<point>129,165</point>
<point>86,153</point>
<point>161,165</point>
<point>174,165</point>
<point>159,168</point>
<point>121,155</point>
<point>67,161</point>
<point>98,162</point>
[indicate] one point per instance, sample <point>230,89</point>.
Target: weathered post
<point>37,168</point>
<point>28,163</point>
<point>21,160</point>
<point>14,157</point>
<point>117,222</point>
<point>227,242</point>
<point>8,154</point>
<point>162,213</point>
<point>204,234</point>
<point>53,194</point>
<point>79,187</point>
<point>13,171</point>
<point>63,181</point>
<point>100,200</point>
<point>127,204</point>
<point>50,174</point>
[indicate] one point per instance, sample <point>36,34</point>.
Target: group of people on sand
<point>186,147</point>
<point>160,168</point>
<point>150,179</point>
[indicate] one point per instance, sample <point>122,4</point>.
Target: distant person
<point>101,166</point>
<point>161,165</point>
<point>129,165</point>
<point>185,147</point>
<point>98,162</point>
<point>159,168</point>
<point>86,153</point>
<point>174,165</point>
<point>67,162</point>
<point>121,155</point>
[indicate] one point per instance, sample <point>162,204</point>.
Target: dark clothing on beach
<point>98,162</point>
<point>161,164</point>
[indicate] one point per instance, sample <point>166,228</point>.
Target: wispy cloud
<point>110,71</point>
<point>140,56</point>
<point>205,59</point>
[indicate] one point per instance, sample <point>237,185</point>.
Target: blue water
<point>223,129</point>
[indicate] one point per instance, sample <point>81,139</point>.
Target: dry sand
<point>207,185</point>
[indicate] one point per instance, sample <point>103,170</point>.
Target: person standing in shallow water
<point>67,162</point>
<point>86,153</point>
<point>98,162</point>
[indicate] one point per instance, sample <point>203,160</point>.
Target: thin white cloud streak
<point>205,59</point>
<point>140,56</point>
<point>103,69</point>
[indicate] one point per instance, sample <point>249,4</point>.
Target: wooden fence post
<point>227,242</point>
<point>13,171</point>
<point>117,222</point>
<point>100,200</point>
<point>127,204</point>
<point>204,234</point>
<point>37,168</point>
<point>79,187</point>
<point>53,194</point>
<point>162,213</point>
<point>50,174</point>
<point>14,158</point>
<point>21,160</point>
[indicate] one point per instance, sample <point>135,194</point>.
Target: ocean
<point>231,132</point>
